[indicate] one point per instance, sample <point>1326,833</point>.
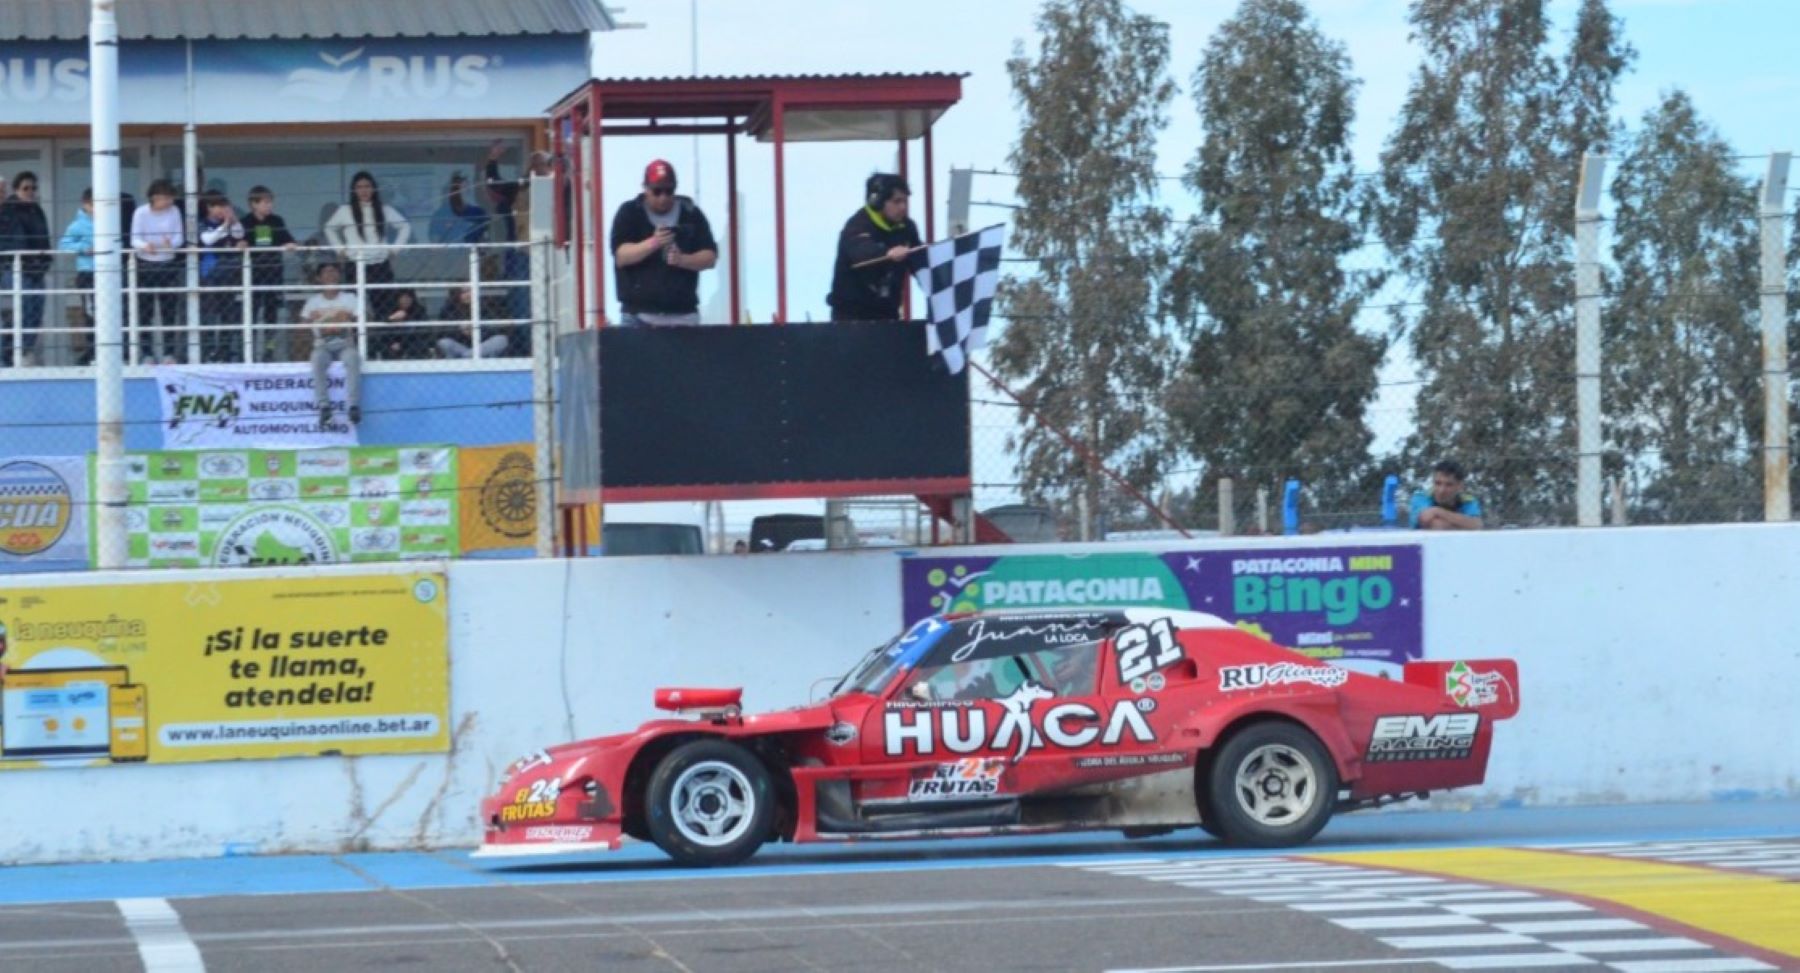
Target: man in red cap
<point>661,242</point>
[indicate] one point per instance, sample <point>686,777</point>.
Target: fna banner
<point>222,670</point>
<point>197,508</point>
<point>1331,603</point>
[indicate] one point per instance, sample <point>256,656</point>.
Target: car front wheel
<point>1272,785</point>
<point>710,803</point>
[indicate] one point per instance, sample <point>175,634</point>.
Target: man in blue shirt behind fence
<point>1446,506</point>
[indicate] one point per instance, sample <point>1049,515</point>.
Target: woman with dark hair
<point>361,230</point>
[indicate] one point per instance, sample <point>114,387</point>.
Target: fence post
<point>474,301</point>
<point>1227,509</point>
<point>18,309</point>
<point>362,312</point>
<point>1262,510</point>
<point>131,307</point>
<point>248,351</point>
<point>1777,505</point>
<point>542,333</point>
<point>1587,339</point>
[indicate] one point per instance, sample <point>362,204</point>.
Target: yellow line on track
<point>1757,910</point>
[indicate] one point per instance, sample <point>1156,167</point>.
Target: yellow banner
<point>180,672</point>
<point>499,499</point>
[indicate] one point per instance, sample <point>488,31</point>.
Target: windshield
<point>902,652</point>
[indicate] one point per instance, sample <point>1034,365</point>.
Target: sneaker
<point>356,415</point>
<point>324,416</point>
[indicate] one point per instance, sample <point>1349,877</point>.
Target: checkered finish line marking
<point>1498,909</point>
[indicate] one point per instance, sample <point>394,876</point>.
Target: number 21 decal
<point>1144,649</point>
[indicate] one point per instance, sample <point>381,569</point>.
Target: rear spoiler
<point>707,703</point>
<point>1488,686</point>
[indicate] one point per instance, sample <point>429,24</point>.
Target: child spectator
<point>406,336</point>
<point>78,238</point>
<point>156,235</point>
<point>461,308</point>
<point>331,312</point>
<point>269,240</point>
<point>221,266</point>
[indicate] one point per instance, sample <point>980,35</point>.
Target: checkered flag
<point>959,276</point>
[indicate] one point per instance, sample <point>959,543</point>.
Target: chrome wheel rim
<point>712,804</point>
<point>1276,785</point>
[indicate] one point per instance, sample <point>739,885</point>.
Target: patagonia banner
<point>230,508</point>
<point>242,406</point>
<point>223,670</point>
<point>1327,602</point>
<point>43,509</point>
<point>498,499</point>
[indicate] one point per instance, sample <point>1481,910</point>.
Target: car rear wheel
<point>710,803</point>
<point>1272,785</point>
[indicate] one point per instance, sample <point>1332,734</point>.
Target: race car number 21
<point>1144,649</point>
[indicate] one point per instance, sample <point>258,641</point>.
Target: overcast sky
<point>1733,56</point>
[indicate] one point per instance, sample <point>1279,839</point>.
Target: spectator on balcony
<point>509,196</point>
<point>365,230</point>
<point>333,314</point>
<point>460,310</point>
<point>458,221</point>
<point>157,237</point>
<point>1446,506</point>
<point>24,248</point>
<point>661,242</point>
<point>78,239</point>
<point>880,231</point>
<point>269,241</point>
<point>406,334</point>
<point>222,239</point>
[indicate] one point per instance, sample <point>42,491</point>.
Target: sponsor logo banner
<point>1327,602</point>
<point>253,508</point>
<point>43,508</point>
<point>239,406</point>
<point>183,672</point>
<point>498,510</point>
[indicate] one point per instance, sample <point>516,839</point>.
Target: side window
<point>1069,670</point>
<point>976,679</point>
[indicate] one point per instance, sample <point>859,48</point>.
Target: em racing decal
<point>1446,736</point>
<point>970,777</point>
<point>533,803</point>
<point>1262,675</point>
<point>1143,649</point>
<point>1070,725</point>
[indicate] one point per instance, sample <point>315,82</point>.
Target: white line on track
<point>161,942</point>
<point>1542,926</point>
<point>1391,964</point>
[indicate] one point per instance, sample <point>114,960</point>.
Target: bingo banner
<point>1346,603</point>
<point>226,508</point>
<point>193,671</point>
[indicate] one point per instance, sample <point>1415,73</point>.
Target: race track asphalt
<point>1667,889</point>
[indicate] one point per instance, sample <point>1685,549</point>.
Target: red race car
<point>1144,720</point>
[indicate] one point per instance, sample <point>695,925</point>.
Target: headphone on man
<point>882,186</point>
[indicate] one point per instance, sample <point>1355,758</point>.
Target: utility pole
<point>1777,505</point>
<point>109,344</point>
<point>1587,340</point>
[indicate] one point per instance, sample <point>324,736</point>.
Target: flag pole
<point>1075,444</point>
<point>884,258</point>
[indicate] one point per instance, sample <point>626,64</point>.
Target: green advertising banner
<point>197,508</point>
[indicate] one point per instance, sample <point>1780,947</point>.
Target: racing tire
<point>1272,785</point>
<point>710,802</point>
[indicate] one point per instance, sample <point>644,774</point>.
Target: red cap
<point>659,173</point>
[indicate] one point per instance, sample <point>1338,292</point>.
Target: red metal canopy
<point>770,108</point>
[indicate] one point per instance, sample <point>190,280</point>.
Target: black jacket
<point>652,284</point>
<point>23,226</point>
<point>872,293</point>
<point>267,238</point>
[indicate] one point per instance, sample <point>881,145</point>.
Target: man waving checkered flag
<point>960,276</point>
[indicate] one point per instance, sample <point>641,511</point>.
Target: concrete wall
<point>1657,665</point>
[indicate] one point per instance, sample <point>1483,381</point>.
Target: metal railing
<point>217,321</point>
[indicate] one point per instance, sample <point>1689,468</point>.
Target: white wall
<point>1656,666</point>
